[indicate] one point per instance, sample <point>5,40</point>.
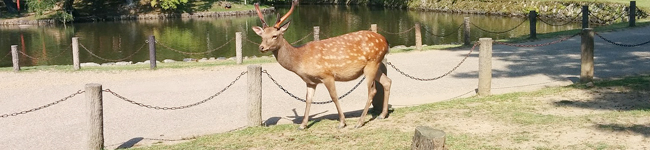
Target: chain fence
<point>444,35</point>
<point>499,32</point>
<point>42,107</point>
<point>561,24</point>
<point>194,53</point>
<point>538,45</point>
<point>435,78</point>
<point>178,107</point>
<point>303,38</point>
<point>605,21</point>
<point>402,32</point>
<point>303,100</point>
<point>1,59</point>
<point>113,60</point>
<point>619,44</point>
<point>251,41</point>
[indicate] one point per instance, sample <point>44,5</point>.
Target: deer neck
<point>288,56</point>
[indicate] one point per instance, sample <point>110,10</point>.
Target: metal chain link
<point>562,24</point>
<point>499,32</point>
<point>178,107</point>
<point>106,59</point>
<point>303,38</point>
<point>251,41</point>
<point>450,33</point>
<point>382,30</point>
<point>436,78</point>
<point>194,53</point>
<point>603,20</point>
<point>618,44</point>
<point>538,45</point>
<point>303,100</point>
<point>44,106</point>
<point>5,56</point>
<point>30,57</point>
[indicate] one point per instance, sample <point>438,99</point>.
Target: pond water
<point>178,39</point>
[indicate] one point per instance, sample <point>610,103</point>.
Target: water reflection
<point>213,37</point>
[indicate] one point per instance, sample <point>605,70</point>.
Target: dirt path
<point>63,126</point>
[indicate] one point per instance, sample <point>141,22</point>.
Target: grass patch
<point>515,121</point>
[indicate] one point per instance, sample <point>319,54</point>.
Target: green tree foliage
<point>40,6</point>
<point>167,4</point>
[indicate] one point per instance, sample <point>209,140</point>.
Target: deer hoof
<point>358,126</point>
<point>341,126</point>
<point>301,127</point>
<point>380,117</point>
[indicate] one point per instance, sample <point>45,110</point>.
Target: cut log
<point>427,138</point>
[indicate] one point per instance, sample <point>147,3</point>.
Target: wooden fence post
<point>373,28</point>
<point>632,13</point>
<point>14,57</point>
<point>533,24</point>
<point>485,67</point>
<point>587,55</point>
<point>238,48</point>
<point>316,33</point>
<point>466,31</point>
<point>427,138</point>
<point>95,116</point>
<point>585,16</point>
<point>418,37</point>
<point>254,95</point>
<point>75,53</point>
<point>152,52</point>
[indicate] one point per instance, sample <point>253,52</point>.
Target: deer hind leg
<point>370,72</point>
<point>311,89</point>
<point>383,79</point>
<point>331,87</point>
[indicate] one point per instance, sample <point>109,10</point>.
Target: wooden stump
<point>427,138</point>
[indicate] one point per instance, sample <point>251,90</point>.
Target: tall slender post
<point>75,53</point>
<point>418,37</point>
<point>95,115</point>
<point>238,48</point>
<point>254,95</point>
<point>373,28</point>
<point>316,33</point>
<point>632,13</point>
<point>585,16</point>
<point>587,55</point>
<point>485,67</point>
<point>533,24</point>
<point>14,57</point>
<point>466,31</point>
<point>152,52</point>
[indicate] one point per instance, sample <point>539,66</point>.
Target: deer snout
<point>262,49</point>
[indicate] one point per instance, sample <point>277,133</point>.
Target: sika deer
<point>341,58</point>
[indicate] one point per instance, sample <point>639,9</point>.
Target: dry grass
<point>612,115</point>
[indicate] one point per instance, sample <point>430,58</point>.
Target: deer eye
<point>275,37</point>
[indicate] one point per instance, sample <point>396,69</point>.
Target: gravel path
<point>63,126</point>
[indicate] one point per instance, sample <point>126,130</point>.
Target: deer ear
<point>285,26</point>
<point>258,30</point>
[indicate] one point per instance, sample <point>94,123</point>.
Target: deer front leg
<point>331,88</point>
<point>311,89</point>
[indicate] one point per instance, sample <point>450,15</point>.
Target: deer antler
<point>259,14</point>
<point>279,22</point>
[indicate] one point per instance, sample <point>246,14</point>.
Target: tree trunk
<point>67,6</point>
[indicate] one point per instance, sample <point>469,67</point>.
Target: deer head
<point>272,37</point>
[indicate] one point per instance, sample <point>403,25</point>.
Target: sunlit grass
<point>517,110</point>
